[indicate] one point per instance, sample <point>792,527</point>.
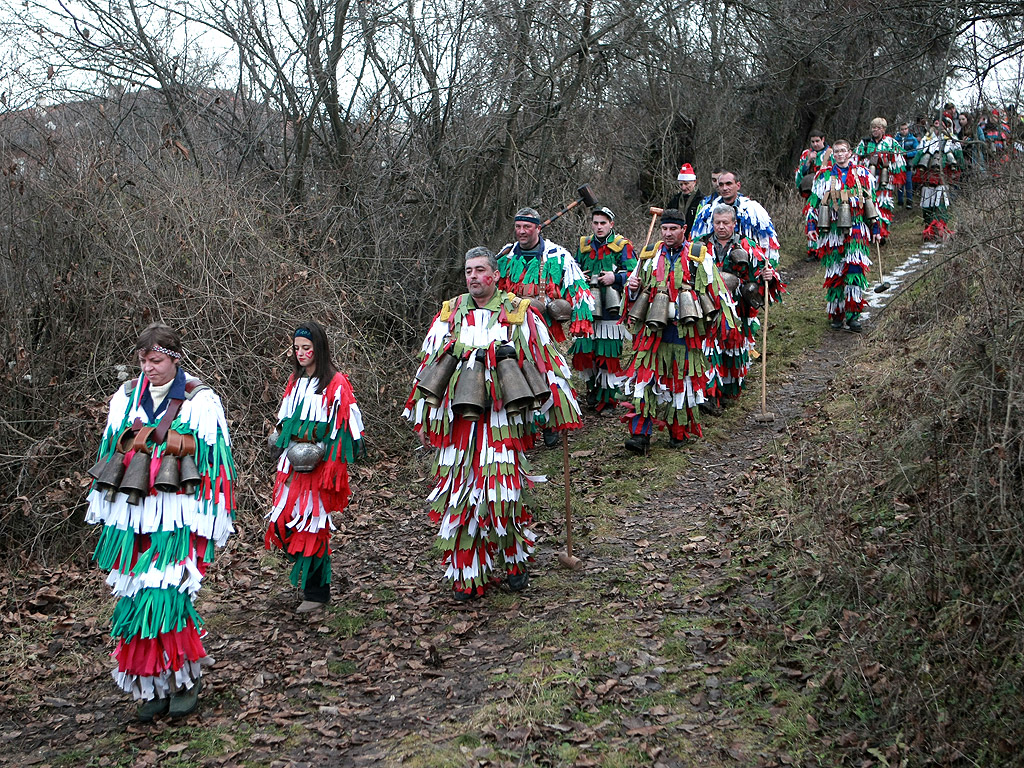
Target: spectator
<point>910,144</point>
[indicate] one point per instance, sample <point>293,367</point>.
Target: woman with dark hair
<point>163,493</point>
<point>319,433</point>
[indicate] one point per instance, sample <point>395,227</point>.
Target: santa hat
<point>686,173</point>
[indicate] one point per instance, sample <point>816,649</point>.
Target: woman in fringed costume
<point>745,269</point>
<point>320,430</point>
<point>883,156</point>
<point>938,165</point>
<point>458,406</point>
<point>161,518</point>
<point>846,192</point>
<point>608,259</point>
<point>535,269</point>
<point>668,368</point>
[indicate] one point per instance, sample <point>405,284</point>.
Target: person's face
<point>481,280</point>
<point>158,367</point>
<point>962,120</point>
<point>937,124</point>
<point>817,143</point>
<point>673,235</point>
<point>303,351</point>
<point>601,225</point>
<point>877,131</point>
<point>714,180</point>
<point>527,233</point>
<point>728,187</point>
<point>842,154</point>
<point>687,187</point>
<point>725,226</point>
<point>904,130</point>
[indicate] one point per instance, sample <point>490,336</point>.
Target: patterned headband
<point>165,351</point>
<point>304,332</point>
<point>528,219</point>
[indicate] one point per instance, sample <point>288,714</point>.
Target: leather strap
<point>160,433</point>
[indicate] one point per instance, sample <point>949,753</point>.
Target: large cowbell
<point>638,312</point>
<point>470,394</point>
<point>657,315</point>
<point>433,379</point>
<point>136,478</point>
<point>515,391</point>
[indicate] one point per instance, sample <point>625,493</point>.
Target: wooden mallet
<point>655,213</point>
<point>566,559</point>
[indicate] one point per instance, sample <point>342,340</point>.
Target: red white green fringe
<point>481,473</point>
<point>300,517</point>
<point>158,551</point>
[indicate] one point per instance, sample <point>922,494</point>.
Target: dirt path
<point>625,659</point>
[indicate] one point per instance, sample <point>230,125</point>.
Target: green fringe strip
<point>151,612</point>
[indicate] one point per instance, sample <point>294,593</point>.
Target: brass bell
<point>96,470</point>
<point>936,161</point>
<point>598,303</point>
<point>433,379</point>
<point>190,477</point>
<point>708,308</point>
<point>612,301</point>
<point>731,280</point>
<point>110,479</point>
<point>950,159</point>
<point>844,219</point>
<point>168,477</point>
<point>515,391</point>
<point>870,209</point>
<point>657,315</point>
<point>538,383</point>
<point>807,182</point>
<point>470,394</point>
<point>559,310</point>
<point>824,216</point>
<point>136,478</point>
<point>739,256</point>
<point>751,293</point>
<point>883,178</point>
<point>687,310</point>
<point>638,312</point>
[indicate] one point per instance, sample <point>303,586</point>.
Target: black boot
<point>638,443</point>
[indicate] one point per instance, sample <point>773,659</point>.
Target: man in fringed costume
<point>752,220</point>
<point>844,216</point>
<point>883,156</point>
<point>689,197</point>
<point>532,267</point>
<point>607,258</point>
<point>318,418</point>
<point>161,519</point>
<point>668,368</point>
<point>480,467</point>
<point>939,165</point>
<point>745,271</point>
<point>810,163</point>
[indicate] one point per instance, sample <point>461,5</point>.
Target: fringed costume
<point>939,164</point>
<point>806,169</point>
<point>597,357</point>
<point>668,369</point>
<point>752,221</point>
<point>548,270</point>
<point>885,161</point>
<point>728,349</point>
<point>300,516</point>
<point>158,549</point>
<point>845,251</point>
<point>480,468</point>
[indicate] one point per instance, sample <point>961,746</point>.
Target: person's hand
<point>606,278</point>
<point>422,436</point>
<point>633,283</point>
